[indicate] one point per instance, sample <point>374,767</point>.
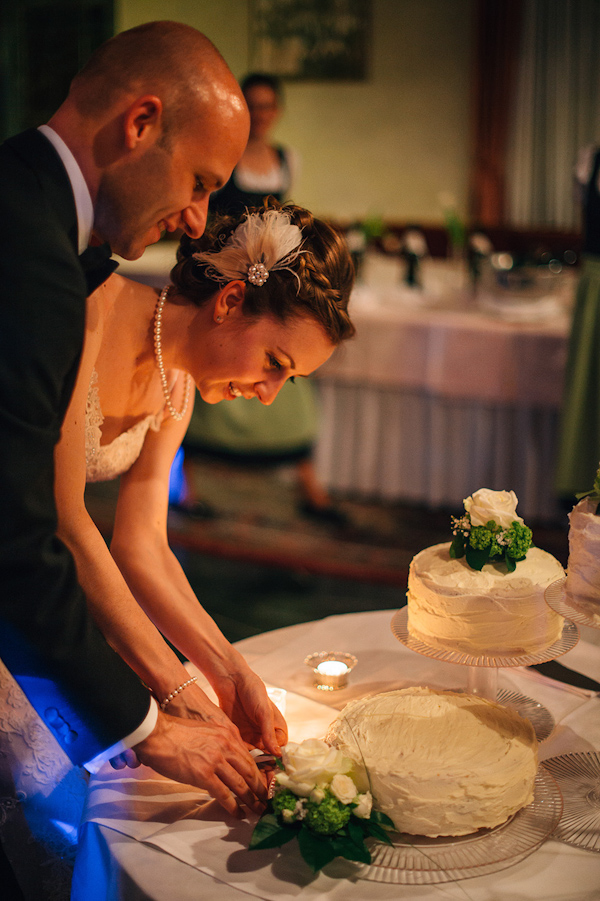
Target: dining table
<point>145,837</point>
<point>448,385</point>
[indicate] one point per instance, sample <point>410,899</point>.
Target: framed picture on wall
<point>310,39</point>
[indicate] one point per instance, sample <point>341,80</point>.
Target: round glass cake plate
<point>483,671</point>
<point>556,599</point>
<point>578,778</point>
<point>567,640</point>
<point>418,860</point>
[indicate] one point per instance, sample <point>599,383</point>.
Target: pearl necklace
<point>178,415</point>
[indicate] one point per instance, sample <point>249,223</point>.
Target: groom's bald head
<point>156,122</point>
<point>169,59</point>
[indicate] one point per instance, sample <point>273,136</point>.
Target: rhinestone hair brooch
<point>262,243</point>
<point>257,274</point>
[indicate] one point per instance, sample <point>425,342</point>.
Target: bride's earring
<point>219,319</point>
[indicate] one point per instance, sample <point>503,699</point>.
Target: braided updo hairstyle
<point>318,286</point>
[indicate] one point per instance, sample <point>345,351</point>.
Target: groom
<point>153,123</point>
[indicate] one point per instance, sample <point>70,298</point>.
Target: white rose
<point>485,504</point>
<point>302,789</point>
<point>343,788</point>
<point>363,806</point>
<point>309,763</point>
<point>317,795</point>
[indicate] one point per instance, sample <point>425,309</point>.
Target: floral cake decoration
<point>490,531</point>
<point>316,801</point>
<point>593,494</point>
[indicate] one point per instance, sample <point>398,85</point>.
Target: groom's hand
<point>209,754</point>
<point>127,758</point>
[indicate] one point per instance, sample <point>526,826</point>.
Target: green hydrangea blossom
<point>284,800</point>
<point>496,550</point>
<point>328,816</point>
<point>480,537</point>
<point>519,540</point>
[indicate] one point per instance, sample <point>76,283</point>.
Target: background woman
<point>579,445</point>
<point>249,433</point>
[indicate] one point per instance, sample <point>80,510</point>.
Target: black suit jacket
<point>84,691</point>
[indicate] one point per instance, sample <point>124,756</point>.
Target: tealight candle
<point>331,669</point>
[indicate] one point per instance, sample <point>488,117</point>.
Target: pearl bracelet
<point>164,704</point>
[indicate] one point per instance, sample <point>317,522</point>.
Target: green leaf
<point>511,563</point>
<point>344,847</point>
<point>269,833</point>
<point>381,818</point>
<point>457,548</point>
<point>356,831</point>
<point>279,763</point>
<point>477,558</point>
<point>317,852</point>
<point>380,834</point>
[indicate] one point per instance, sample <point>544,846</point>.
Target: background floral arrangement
<point>490,530</point>
<point>315,800</point>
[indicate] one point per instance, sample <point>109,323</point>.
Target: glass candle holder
<point>278,696</point>
<point>331,669</point>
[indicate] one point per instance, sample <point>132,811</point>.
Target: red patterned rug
<point>257,521</point>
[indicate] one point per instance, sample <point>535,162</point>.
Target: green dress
<point>579,445</point>
<point>247,430</point>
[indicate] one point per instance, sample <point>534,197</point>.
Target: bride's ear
<point>229,300</point>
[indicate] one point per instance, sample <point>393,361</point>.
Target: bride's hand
<point>244,699</point>
<point>193,703</point>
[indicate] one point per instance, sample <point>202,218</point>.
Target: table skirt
<point>415,447</point>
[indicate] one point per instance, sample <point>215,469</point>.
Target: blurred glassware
<point>360,236</point>
<point>413,247</point>
<point>479,248</point>
<point>517,289</point>
<point>357,244</point>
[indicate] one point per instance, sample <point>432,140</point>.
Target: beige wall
<point>387,146</point>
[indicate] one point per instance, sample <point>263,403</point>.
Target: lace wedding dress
<point>41,792</point>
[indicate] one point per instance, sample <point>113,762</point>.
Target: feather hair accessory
<point>262,243</point>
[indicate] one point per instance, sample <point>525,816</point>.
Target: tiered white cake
<point>439,763</point>
<point>489,612</point>
<point>582,586</point>
<point>484,593</point>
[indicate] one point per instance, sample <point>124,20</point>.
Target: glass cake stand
<point>482,678</point>
<point>578,775</point>
<point>556,598</point>
<point>419,860</point>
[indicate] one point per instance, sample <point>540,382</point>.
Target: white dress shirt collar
<point>81,193</point>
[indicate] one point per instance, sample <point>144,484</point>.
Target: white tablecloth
<point>147,838</point>
<point>438,396</point>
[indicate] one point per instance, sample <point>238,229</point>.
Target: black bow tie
<point>97,265</point>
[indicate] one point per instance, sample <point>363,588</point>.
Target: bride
<point>259,299</point>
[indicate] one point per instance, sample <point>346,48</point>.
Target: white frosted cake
<point>582,586</point>
<point>487,612</point>
<point>439,763</point>
<point>483,594</point>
